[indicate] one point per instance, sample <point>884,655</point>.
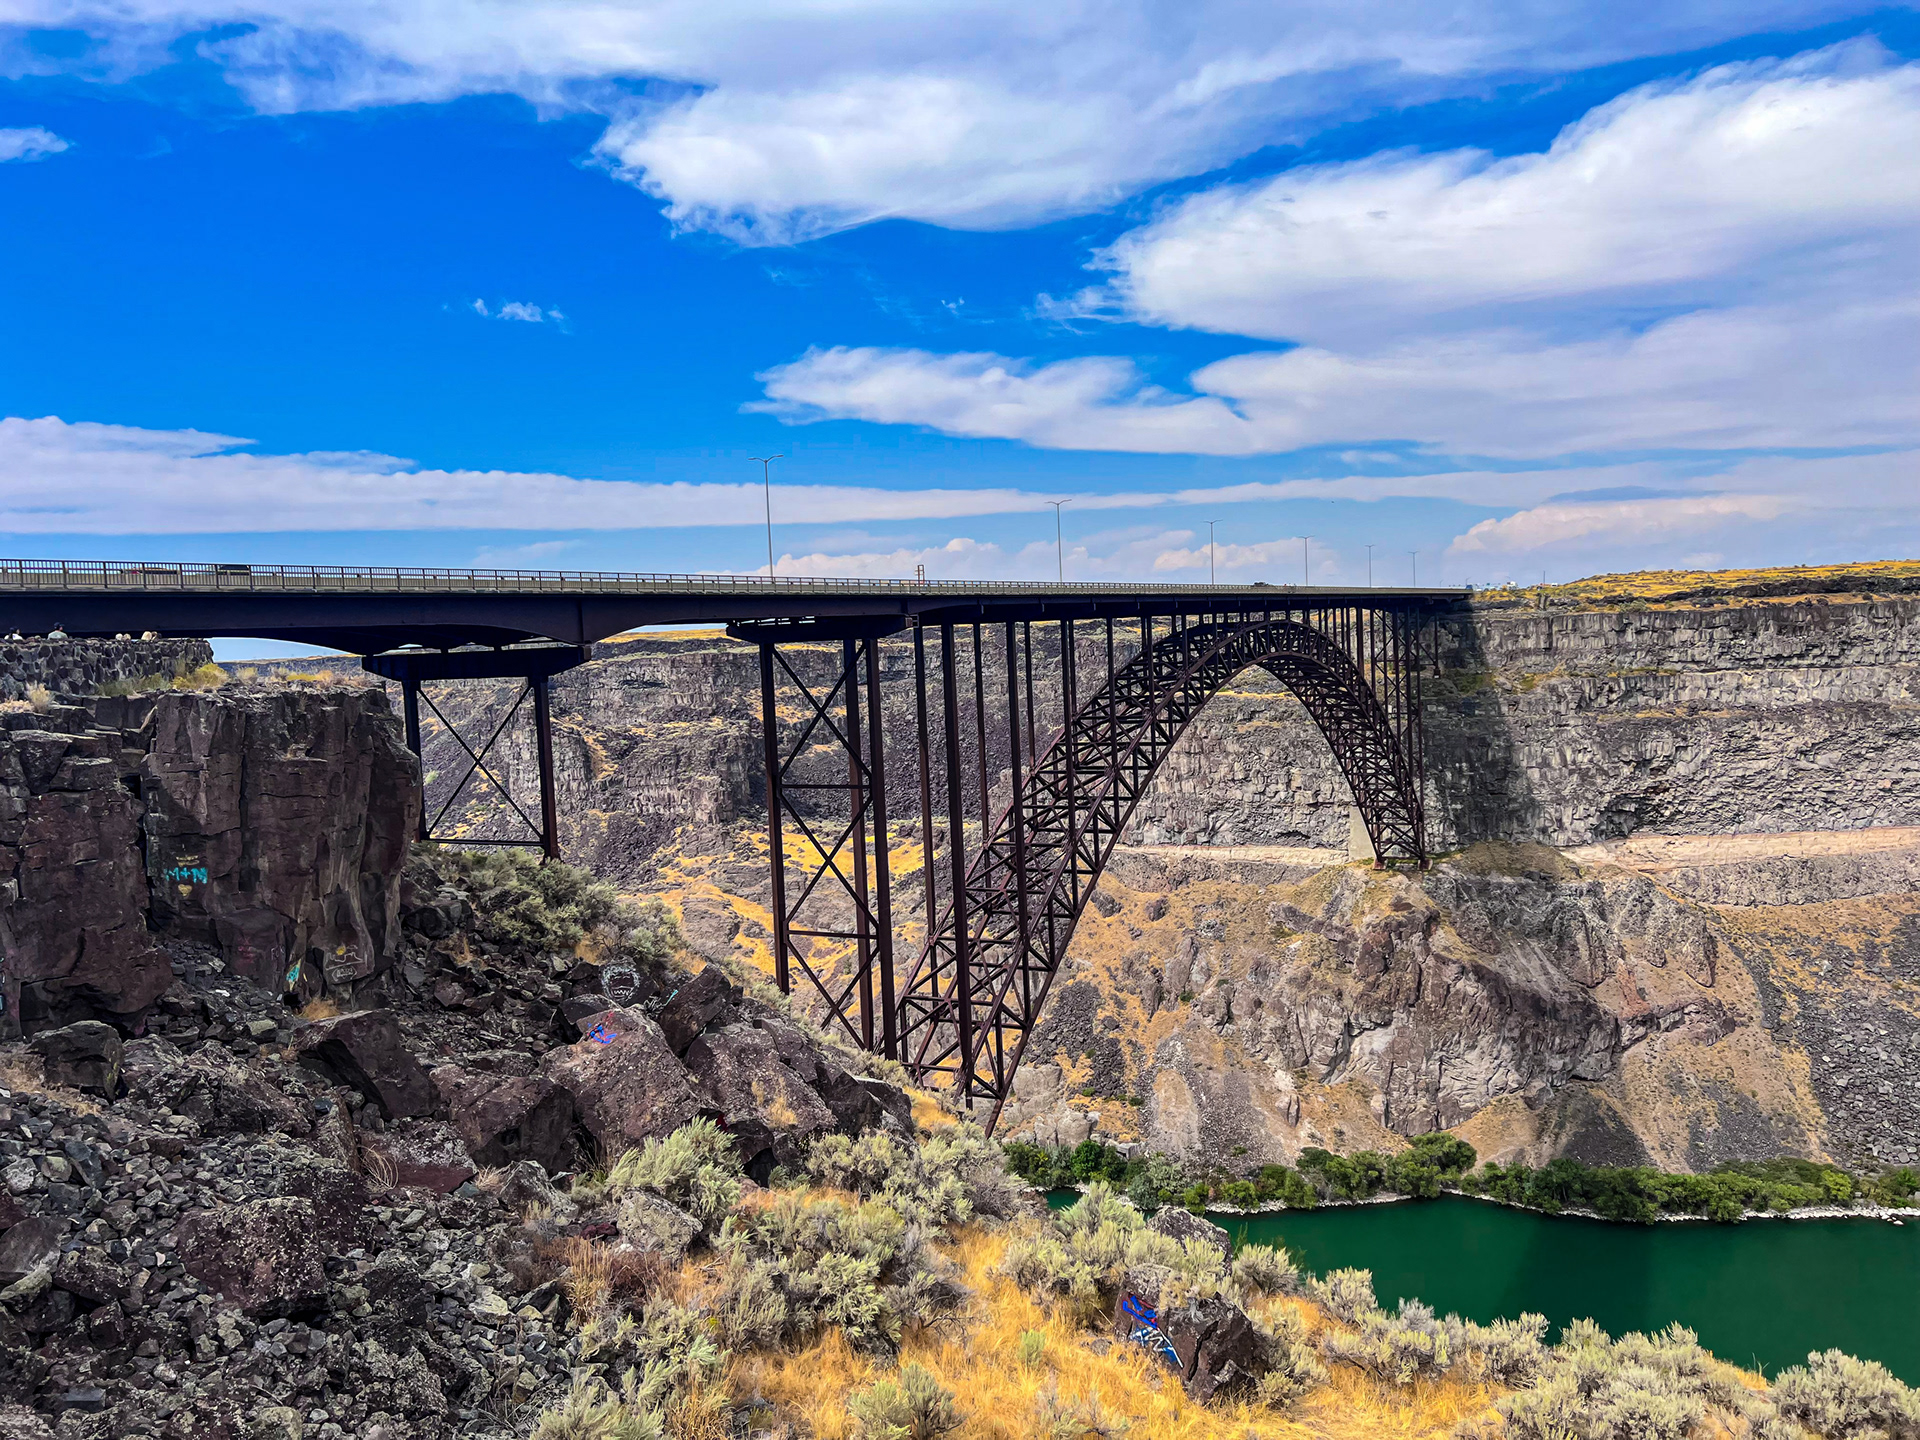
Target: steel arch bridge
<point>975,993</point>
<point>1035,782</point>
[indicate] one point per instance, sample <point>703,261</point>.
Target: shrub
<point>1081,1254</point>
<point>1294,1370</point>
<point>1155,1182</point>
<point>948,1178</point>
<point>1448,1154</point>
<point>1033,1347</point>
<point>1843,1398</point>
<point>1397,1348</point>
<point>1266,1269</point>
<point>696,1168</point>
<point>1345,1294</point>
<point>1240,1194</point>
<point>592,1412</point>
<point>914,1407</point>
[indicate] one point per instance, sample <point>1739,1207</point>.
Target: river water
<point>1761,1294</point>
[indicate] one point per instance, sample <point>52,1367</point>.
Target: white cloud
<point>1666,519</point>
<point>32,143</point>
<point>517,310</point>
<point>88,478</point>
<point>1775,176</point>
<point>1801,375</point>
<point>1723,264</point>
<point>776,121</point>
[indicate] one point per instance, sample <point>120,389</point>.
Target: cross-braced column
<point>827,829</point>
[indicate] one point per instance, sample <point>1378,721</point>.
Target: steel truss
<point>533,665</point>
<point>1067,771</point>
<point>827,791</point>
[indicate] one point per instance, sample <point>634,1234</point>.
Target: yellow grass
<point>1002,1399</point>
<point>321,1007</point>
<point>1655,586</point>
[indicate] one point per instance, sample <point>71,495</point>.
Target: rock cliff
<point>268,823</point>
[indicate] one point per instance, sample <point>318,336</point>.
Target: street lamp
<point>1369,567</point>
<point>1415,554</point>
<point>1059,545</point>
<point>766,484</point>
<point>1212,572</point>
<point>1305,540</point>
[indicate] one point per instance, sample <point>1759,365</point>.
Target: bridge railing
<point>94,575</point>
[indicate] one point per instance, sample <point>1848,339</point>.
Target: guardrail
<point>201,577</point>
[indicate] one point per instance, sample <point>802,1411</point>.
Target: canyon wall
<point>268,823</point>
<point>1548,988</point>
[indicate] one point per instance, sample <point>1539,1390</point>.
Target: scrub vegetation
<point>896,1289</point>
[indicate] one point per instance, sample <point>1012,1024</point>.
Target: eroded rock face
<point>768,1109</point>
<point>85,1055</point>
<point>268,823</point>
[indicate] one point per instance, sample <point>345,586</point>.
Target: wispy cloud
<point>32,143</point>
<point>517,310</point>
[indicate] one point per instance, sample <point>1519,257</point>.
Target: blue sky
<point>1544,289</point>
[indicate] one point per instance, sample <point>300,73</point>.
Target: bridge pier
<point>534,666</point>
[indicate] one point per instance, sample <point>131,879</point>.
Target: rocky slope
<point>1757,997</point>
<point>244,1223</point>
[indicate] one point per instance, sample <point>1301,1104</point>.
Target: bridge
<point>1040,714</point>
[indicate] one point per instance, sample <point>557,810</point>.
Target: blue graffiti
<point>1147,1333</point>
<point>196,874</point>
<point>293,975</point>
<point>601,1035</point>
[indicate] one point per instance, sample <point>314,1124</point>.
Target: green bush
<point>1842,1398</point>
<point>1293,1370</point>
<point>1345,1294</point>
<point>1241,1194</point>
<point>592,1412</point>
<point>914,1407</point>
<point>1396,1348</point>
<point>1266,1269</point>
<point>696,1168</point>
<point>1081,1254</point>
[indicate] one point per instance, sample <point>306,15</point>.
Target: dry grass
<point>321,1007</point>
<point>25,1075</point>
<point>1078,1379</point>
<point>1671,586</point>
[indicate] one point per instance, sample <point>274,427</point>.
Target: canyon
<point>1673,918</point>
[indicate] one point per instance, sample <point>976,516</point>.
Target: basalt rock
<point>629,1086</point>
<point>268,824</point>
<point>695,1005</point>
<point>262,1255</point>
<point>505,1121</point>
<point>1183,1225</point>
<point>768,1109</point>
<point>85,1055</point>
<point>364,1052</point>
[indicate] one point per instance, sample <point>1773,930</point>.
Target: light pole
<point>766,484</point>
<point>1369,567</point>
<point>1213,574</point>
<point>1059,545</point>
<point>1305,540</point>
<point>1415,554</point>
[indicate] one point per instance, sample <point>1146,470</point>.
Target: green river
<point>1761,1294</point>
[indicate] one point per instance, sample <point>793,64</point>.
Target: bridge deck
<point>365,610</point>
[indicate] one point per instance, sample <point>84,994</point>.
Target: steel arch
<point>976,991</point>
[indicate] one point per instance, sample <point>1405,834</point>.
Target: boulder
<point>694,1006</point>
<point>626,1083</point>
<point>1210,1344</point>
<point>10,1212</point>
<point>17,1422</point>
<point>363,1052</point>
<point>85,1056</point>
<point>1184,1225</point>
<point>91,1276</point>
<point>339,1198</point>
<point>28,1245</point>
<point>763,1103</point>
<point>858,1103</point>
<point>425,1153</point>
<point>221,1095</point>
<point>262,1255</point>
<point>504,1121</point>
<point>651,1223</point>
